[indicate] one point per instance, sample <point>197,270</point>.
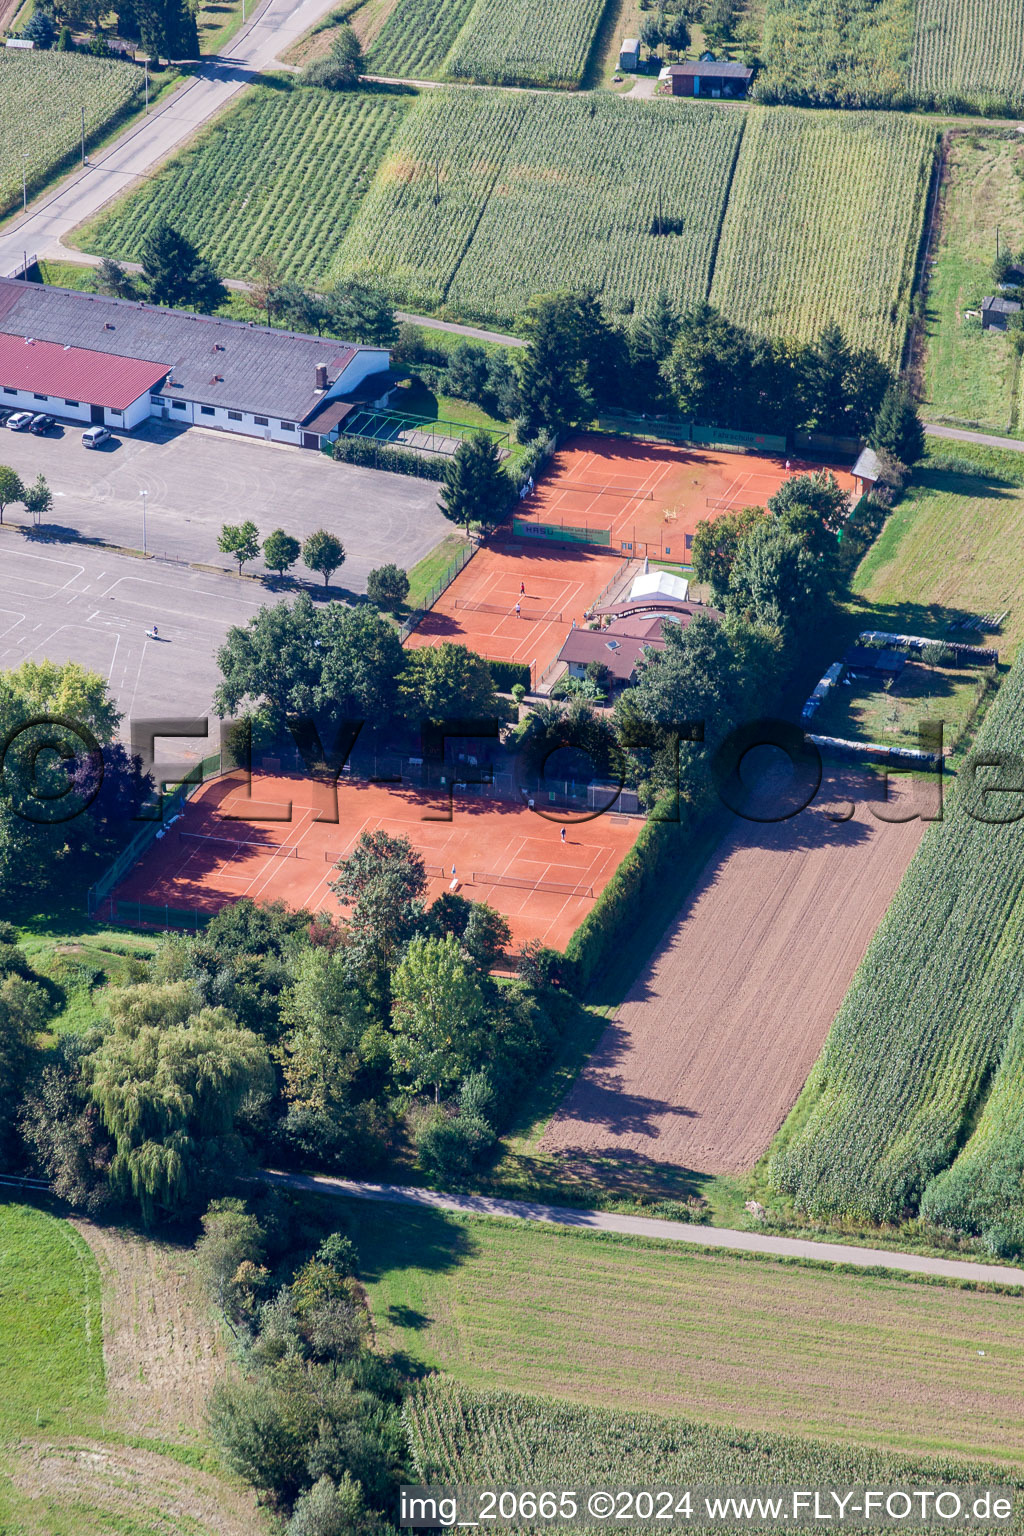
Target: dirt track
<point>711,1047</point>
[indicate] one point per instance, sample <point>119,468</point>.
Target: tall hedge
<point>507,673</point>
<point>377,455</point>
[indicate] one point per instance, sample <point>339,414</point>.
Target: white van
<point>93,436</point>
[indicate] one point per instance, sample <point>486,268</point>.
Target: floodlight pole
<point>83,135</point>
<point>144,494</point>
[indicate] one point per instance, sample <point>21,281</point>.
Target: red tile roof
<point>74,373</point>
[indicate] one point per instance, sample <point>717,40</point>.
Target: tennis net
<point>601,490</point>
<point>224,845</point>
<point>550,617</point>
<point>520,883</point>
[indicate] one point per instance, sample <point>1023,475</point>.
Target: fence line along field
<point>460,1435</point>
<point>415,39</point>
<point>646,1326</point>
<point>526,42</point>
<point>280,175</point>
<point>41,101</point>
<point>926,1032</point>
<point>806,197</point>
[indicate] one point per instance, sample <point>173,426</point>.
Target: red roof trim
<point>75,373</point>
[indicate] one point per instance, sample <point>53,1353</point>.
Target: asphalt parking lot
<point>68,603</point>
<point>196,480</point>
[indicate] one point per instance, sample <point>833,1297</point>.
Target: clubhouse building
<point>84,358</point>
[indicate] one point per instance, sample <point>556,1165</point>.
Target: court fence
<point>660,430</point>
<point>165,809</point>
<point>417,616</point>
<point>564,533</point>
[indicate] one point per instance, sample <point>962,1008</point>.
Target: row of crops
<point>458,1436</point>
<point>41,100</point>
<point>954,55</point>
<point>492,42</point>
<point>927,1044</point>
<point>280,175</point>
<point>841,199</point>
<point>474,201</point>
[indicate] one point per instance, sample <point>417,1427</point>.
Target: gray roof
<point>726,70</point>
<point>1000,306</point>
<point>867,466</point>
<point>216,362</point>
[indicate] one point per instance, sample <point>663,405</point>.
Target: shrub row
<point>507,673</point>
<point>400,461</point>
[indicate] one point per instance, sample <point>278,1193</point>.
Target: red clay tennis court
<point>479,608</point>
<point>647,498</point>
<point>270,846</point>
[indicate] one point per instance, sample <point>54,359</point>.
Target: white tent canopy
<point>659,584</point>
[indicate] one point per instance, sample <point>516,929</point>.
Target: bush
<point>388,587</point>
<point>509,675</point>
<point>400,461</point>
<point>448,1146</point>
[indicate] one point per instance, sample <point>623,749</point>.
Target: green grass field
<point>296,161</point>
<point>41,101</point>
<point>644,1326</point>
<point>971,376</point>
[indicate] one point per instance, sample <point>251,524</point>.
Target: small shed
<point>629,53</point>
<point>862,661</point>
<point>866,471</point>
<point>728,79</point>
<point>996,311</point>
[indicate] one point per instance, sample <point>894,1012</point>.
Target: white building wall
<point>25,400</point>
<point>136,413</point>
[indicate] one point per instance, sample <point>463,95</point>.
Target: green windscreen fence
<point>563,532</point>
<point>651,430</point>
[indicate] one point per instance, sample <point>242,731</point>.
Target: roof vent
<point>109,325</point>
<point>217,379</point>
<point>30,341</point>
<point>67,346</point>
<point>612,645</point>
<point>218,346</point>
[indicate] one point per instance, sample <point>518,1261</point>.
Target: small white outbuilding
<point>629,53</point>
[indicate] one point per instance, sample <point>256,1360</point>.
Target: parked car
<point>20,421</point>
<point>93,436</point>
<point>40,424</point>
<point>5,416</point>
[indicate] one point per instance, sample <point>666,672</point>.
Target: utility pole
<point>24,189</point>
<point>147,87</point>
<point>83,134</point>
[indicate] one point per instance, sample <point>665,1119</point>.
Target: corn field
<point>526,42</point>
<point>835,203</point>
<point>504,1439</point>
<point>969,48</point>
<point>41,101</point>
<point>281,175</point>
<point>927,1021</point>
<point>415,39</point>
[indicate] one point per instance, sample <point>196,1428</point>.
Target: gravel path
<point>648,1226</point>
<point>959,436</point>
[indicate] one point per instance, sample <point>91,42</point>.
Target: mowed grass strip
<point>970,374</point>
<point>51,1364</point>
<point>865,1361</point>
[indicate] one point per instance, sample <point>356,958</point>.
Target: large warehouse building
<point>82,357</point>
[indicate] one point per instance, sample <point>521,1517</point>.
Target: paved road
<point>471,332</point>
<point>275,26</point>
<point>646,1226</point>
<point>957,435</point>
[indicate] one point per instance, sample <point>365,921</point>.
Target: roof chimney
<point>321,375</point>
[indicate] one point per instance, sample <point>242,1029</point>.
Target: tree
<point>502,397</point>
<point>777,580</point>
<point>571,365</point>
<point>897,428</point>
<point>38,499</point>
<point>437,1015</point>
<point>166,28</point>
<point>65,40</point>
<point>815,509</point>
<point>11,488</point>
<point>388,587</point>
<point>175,275</point>
<point>267,282</point>
<point>23,1011</point>
<point>652,26</point>
<point>476,489</point>
<point>382,882</point>
<point>299,309</point>
<point>169,1083</point>
<point>332,1509</point>
<point>114,280</point>
<point>280,551</point>
<point>40,28</point>
<point>231,1237</point>
<point>447,682</point>
<point>715,542</point>
<point>676,34</point>
<point>359,311</point>
<point>341,69</point>
<point>241,541</point>
<point>828,366</point>
<point>61,688</point>
<point>650,343</point>
<point>323,553</point>
<point>710,369</point>
<point>466,377</point>
<point>62,1126</point>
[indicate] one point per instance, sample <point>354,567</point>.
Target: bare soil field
<point>714,1041</point>
<point>161,1350</point>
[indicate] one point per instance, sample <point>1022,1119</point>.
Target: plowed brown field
<point>712,1045</point>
